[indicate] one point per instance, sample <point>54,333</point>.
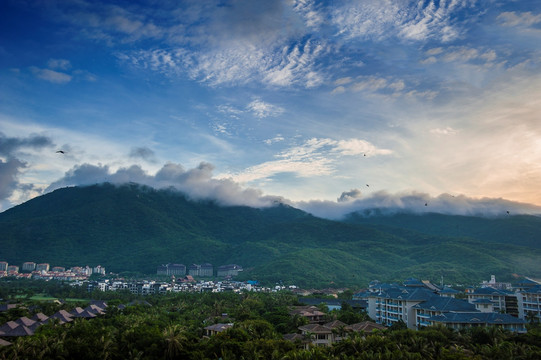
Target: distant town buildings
<point>45,272</point>
<point>197,270</point>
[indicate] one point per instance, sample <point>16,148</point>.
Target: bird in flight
<point>60,152</point>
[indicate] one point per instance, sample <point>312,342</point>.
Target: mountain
<point>523,230</point>
<point>137,228</point>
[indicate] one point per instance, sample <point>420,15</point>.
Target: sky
<point>329,106</point>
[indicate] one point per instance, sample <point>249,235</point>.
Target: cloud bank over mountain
<point>199,184</point>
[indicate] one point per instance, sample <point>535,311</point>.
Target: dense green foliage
<point>135,228</point>
<point>172,327</point>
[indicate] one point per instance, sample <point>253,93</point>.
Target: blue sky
<point>330,106</point>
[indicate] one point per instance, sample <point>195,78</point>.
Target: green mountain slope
<point>135,228</point>
<point>517,229</point>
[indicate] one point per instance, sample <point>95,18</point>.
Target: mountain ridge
<point>136,228</point>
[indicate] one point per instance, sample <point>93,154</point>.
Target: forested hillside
<point>135,228</point>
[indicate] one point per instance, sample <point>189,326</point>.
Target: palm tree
<point>174,336</point>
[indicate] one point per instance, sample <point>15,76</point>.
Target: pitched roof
<point>477,318</point>
<point>533,290</point>
<point>482,301</point>
<point>20,330</point>
<point>63,316</point>
<point>335,324</point>
<point>40,317</point>
<point>4,342</point>
<point>219,327</point>
<point>7,327</point>
<point>316,328</point>
<point>366,326</point>
<point>445,304</point>
<point>403,293</point>
<point>25,321</point>
<point>489,291</point>
<point>448,290</point>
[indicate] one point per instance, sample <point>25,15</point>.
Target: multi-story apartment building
<point>172,269</point>
<point>229,270</point>
<point>418,306</point>
<point>503,300</point>
<point>29,266</point>
<point>530,302</point>
<point>207,270</point>
<point>396,304</point>
<point>3,266</point>
<point>42,267</point>
<point>194,270</point>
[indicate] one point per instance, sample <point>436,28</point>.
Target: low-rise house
<point>312,313</point>
<point>327,334</point>
<point>365,327</point>
<point>217,328</point>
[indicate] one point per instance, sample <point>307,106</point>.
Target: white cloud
<point>61,64</point>
<point>277,138</point>
<point>230,111</point>
<point>197,183</point>
<point>379,19</point>
<point>262,109</point>
<point>413,202</point>
<point>315,157</point>
<point>520,19</point>
<point>51,75</point>
<point>444,131</point>
<point>238,64</point>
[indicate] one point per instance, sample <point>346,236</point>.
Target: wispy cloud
<point>61,64</point>
<point>407,20</point>
<point>519,19</point>
<point>373,84</point>
<point>461,54</point>
<point>51,75</point>
<point>315,157</point>
<point>263,109</point>
<point>277,138</point>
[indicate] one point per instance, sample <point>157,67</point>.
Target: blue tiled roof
<point>527,282</point>
<point>482,301</point>
<point>448,290</point>
<point>534,290</point>
<point>403,293</point>
<point>490,291</point>
<point>477,318</point>
<point>446,304</point>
